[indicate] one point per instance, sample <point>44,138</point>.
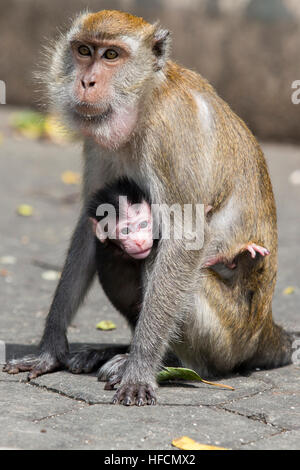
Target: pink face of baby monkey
<point>133,232</point>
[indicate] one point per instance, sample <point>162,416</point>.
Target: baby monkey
<point>123,226</point>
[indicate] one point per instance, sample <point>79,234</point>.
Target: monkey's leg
<point>165,295</point>
<point>228,259</point>
<point>274,348</point>
<point>75,280</point>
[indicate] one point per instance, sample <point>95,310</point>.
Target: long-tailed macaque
<point>144,117</point>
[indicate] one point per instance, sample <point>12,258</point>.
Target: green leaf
<point>106,325</point>
<point>172,373</point>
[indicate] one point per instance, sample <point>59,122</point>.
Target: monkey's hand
<point>128,393</point>
<point>135,394</point>
<point>35,365</point>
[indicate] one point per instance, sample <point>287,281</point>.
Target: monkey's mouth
<point>140,254</point>
<point>91,114</point>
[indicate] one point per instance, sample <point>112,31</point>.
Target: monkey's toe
<point>35,365</point>
<point>135,394</point>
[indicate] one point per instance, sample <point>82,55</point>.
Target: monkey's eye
<point>84,50</point>
<point>110,54</point>
<point>125,231</point>
<point>144,224</point>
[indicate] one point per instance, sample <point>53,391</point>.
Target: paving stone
<point>279,406</point>
<point>119,427</point>
<point>289,440</point>
<point>29,403</point>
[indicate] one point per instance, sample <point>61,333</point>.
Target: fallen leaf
<point>8,259</point>
<point>295,177</point>
<point>289,290</point>
<point>55,130</point>
<point>51,275</point>
<point>4,273</point>
<point>25,210</point>
<point>171,373</point>
<point>106,325</point>
<point>29,123</point>
<point>186,443</point>
<point>70,177</point>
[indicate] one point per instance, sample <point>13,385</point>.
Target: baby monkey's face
<point>132,231</point>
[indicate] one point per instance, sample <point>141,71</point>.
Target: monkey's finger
<point>11,369</point>
<point>151,396</point>
<point>110,384</point>
<point>251,251</point>
<point>118,396</point>
<point>35,373</point>
<point>261,250</point>
<point>141,398</point>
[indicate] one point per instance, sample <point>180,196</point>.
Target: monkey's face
<point>102,70</point>
<point>132,232</point>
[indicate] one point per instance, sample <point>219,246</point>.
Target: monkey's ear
<point>94,224</point>
<point>97,229</point>
<point>161,47</point>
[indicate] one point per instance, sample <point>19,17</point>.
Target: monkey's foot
<point>35,365</point>
<point>253,249</point>
<point>222,259</point>
<point>135,394</point>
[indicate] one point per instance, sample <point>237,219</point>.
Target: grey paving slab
<point>23,435</point>
<point>29,403</point>
<point>289,440</point>
<point>118,427</point>
<point>279,406</point>
<point>23,411</point>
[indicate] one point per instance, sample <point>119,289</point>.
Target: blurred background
<point>248,49</point>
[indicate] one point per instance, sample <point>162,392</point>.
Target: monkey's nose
<point>87,84</point>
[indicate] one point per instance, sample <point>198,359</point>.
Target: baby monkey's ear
<point>98,231</point>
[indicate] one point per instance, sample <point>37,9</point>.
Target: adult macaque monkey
<point>147,118</point>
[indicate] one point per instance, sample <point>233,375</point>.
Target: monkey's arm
<point>163,306</point>
<point>75,280</point>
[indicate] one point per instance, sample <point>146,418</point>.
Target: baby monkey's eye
<point>125,231</point>
<point>144,224</point>
<point>110,54</point>
<point>84,50</point>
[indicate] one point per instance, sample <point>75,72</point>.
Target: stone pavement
<point>65,411</point>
